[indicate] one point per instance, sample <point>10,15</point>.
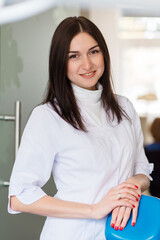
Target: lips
<point>88,75</point>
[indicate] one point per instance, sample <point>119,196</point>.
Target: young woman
<point>86,136</point>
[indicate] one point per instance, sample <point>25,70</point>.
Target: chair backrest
<point>147,225</point>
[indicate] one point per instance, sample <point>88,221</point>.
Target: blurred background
<point>132,33</point>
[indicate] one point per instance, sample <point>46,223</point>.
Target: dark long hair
<point>59,90</point>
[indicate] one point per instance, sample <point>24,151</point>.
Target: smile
<point>88,75</point>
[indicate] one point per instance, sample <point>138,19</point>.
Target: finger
<point>126,217</point>
<point>127,185</point>
<point>134,215</point>
<point>129,190</point>
<point>120,218</point>
<point>124,203</point>
<point>114,216</point>
<point>125,193</point>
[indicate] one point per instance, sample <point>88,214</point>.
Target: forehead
<point>82,41</point>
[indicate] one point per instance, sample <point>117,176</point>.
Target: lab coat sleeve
<point>141,166</point>
<point>35,158</point>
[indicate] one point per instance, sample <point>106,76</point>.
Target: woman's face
<point>85,61</point>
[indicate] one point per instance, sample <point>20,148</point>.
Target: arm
<point>52,207</point>
<point>49,206</point>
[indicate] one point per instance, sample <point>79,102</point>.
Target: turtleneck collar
<point>90,101</point>
<point>87,96</point>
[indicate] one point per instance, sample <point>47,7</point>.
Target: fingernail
<point>133,206</point>
<point>112,225</point>
<point>133,224</point>
<point>139,195</point>
<point>137,199</point>
<point>116,228</point>
<point>136,186</point>
<point>121,228</point>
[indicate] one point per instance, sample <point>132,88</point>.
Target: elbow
<point>15,204</point>
<point>145,183</point>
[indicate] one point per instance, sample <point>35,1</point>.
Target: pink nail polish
<point>112,225</point>
<point>116,228</point>
<point>133,224</point>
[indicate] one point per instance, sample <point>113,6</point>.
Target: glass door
<point>19,226</point>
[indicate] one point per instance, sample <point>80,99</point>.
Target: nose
<point>86,63</point>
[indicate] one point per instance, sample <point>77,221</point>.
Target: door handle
<point>4,183</point>
<point>17,119</point>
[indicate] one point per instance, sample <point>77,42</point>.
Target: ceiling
<point>129,7</point>
<point>14,10</point>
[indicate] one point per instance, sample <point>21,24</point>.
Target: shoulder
<point>124,102</point>
<point>42,117</point>
<point>43,108</point>
<point>44,111</point>
<point>127,106</point>
<point>42,129</point>
<point>42,123</point>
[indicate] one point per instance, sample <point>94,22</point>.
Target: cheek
<point>103,67</point>
<point>101,63</point>
<point>69,69</point>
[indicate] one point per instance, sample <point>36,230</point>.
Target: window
<point>139,27</point>
<point>140,55</point>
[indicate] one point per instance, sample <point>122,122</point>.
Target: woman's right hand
<point>122,195</point>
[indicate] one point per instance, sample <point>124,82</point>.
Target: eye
<point>94,51</point>
<point>73,56</point>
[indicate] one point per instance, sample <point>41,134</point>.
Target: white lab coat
<point>85,166</point>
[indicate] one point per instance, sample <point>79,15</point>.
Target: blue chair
<point>147,226</point>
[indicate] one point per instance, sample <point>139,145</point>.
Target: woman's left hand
<point>121,215</point>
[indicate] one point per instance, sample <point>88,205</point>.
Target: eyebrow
<point>88,49</point>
